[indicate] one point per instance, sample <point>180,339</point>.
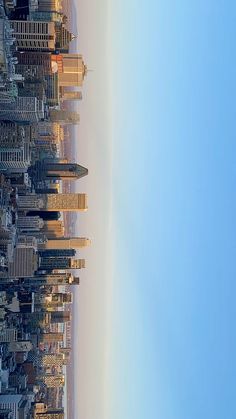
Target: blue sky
<point>170,296</point>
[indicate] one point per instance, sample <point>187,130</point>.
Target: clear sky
<point>156,307</point>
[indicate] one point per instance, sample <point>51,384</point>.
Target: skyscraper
<point>31,35</point>
<point>52,263</point>
<point>53,202</point>
<point>64,116</point>
<point>73,72</point>
<point>66,243</point>
<point>52,381</point>
<point>47,170</point>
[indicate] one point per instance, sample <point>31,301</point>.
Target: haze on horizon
<point>156,304</point>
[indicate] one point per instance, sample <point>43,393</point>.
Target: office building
<point>52,359</point>
<point>49,170</point>
<point>57,253</point>
<point>11,402</point>
<point>51,263</point>
<point>52,381</point>
<point>24,109</point>
<point>8,335</point>
<point>15,159</point>
<point>71,95</point>
<point>66,243</point>
<point>32,35</point>
<point>73,70</point>
<point>51,337</point>
<point>60,316</point>
<point>50,414</point>
<point>64,116</point>
<point>53,202</point>
<point>24,264</point>
<point>26,223</point>
<point>12,135</point>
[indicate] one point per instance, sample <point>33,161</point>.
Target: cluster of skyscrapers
<point>39,80</point>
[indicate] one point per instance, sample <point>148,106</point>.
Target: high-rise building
<point>60,316</point>
<point>52,263</point>
<point>64,116</point>
<point>20,346</point>
<point>66,243</point>
<point>12,135</point>
<point>51,337</point>
<point>8,335</point>
<point>48,170</point>
<point>49,5</point>
<point>52,381</point>
<point>36,59</point>
<point>45,215</point>
<point>73,71</point>
<point>50,414</point>
<point>11,402</point>
<point>32,35</point>
<point>24,264</point>
<point>27,109</point>
<point>71,95</point>
<point>26,223</point>
<point>53,229</point>
<point>65,253</point>
<point>15,159</point>
<point>53,202</point>
<point>52,359</point>
<point>52,279</point>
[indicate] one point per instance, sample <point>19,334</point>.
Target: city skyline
<point>155,338</point>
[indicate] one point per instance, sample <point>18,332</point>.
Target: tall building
<point>52,263</point>
<point>26,223</point>
<point>15,159</point>
<point>48,170</point>
<point>60,316</point>
<point>66,253</point>
<point>32,35</point>
<point>52,381</point>
<point>73,71</point>
<point>11,402</point>
<point>51,279</point>
<point>8,335</point>
<point>12,135</point>
<point>50,414</point>
<point>53,359</point>
<point>45,215</point>
<point>51,337</point>
<point>53,202</point>
<point>64,116</point>
<point>66,243</point>
<point>24,264</point>
<point>24,109</point>
<point>71,95</point>
<point>49,5</point>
